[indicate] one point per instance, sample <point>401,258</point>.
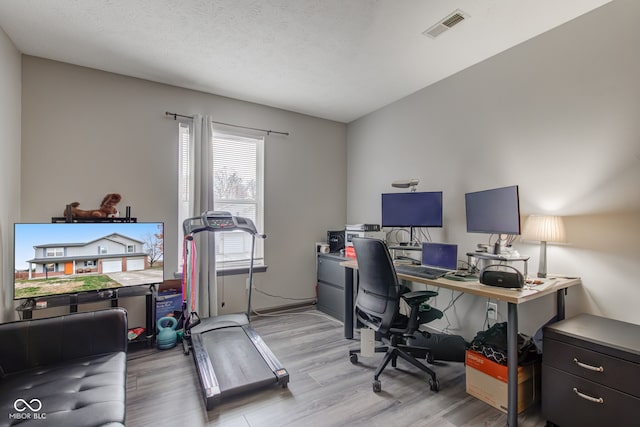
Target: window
<point>53,252</point>
<point>237,179</point>
<point>131,249</point>
<point>102,250</point>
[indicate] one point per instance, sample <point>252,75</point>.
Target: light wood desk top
<point>515,296</point>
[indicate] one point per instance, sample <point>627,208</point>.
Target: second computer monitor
<point>495,211</point>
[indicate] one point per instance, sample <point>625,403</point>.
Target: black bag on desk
<point>492,344</point>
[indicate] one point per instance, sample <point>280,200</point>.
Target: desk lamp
<point>544,228</point>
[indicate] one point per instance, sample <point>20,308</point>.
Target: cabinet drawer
<point>331,300</point>
<point>616,373</point>
<point>330,271</point>
<point>562,405</point>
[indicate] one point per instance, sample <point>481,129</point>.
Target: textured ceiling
<point>335,59</point>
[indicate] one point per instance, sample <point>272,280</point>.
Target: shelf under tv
<point>70,218</point>
<point>89,220</point>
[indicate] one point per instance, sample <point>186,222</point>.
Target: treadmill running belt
<point>237,363</point>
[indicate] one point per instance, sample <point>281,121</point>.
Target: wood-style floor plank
<point>325,388</point>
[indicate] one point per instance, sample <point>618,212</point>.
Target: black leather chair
<point>378,307</point>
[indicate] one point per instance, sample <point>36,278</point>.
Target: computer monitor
<point>415,209</point>
<point>494,211</point>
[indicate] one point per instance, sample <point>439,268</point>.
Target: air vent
<point>449,21</point>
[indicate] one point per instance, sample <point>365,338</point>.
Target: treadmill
<point>230,357</point>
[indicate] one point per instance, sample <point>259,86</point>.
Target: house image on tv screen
<point>109,254</point>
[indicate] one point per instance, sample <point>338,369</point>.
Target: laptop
<point>440,256</point>
<point>438,259</point>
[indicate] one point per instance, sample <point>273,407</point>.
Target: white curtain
<point>201,185</point>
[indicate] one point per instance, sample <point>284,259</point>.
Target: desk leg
<point>560,293</point>
<point>512,365</point>
<point>348,303</point>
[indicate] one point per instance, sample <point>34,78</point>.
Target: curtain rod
<point>268,132</point>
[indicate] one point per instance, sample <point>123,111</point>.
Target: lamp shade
<point>544,228</point>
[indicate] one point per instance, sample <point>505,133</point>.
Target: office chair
<point>378,307</point>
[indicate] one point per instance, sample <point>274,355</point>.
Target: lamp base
<point>542,266</point>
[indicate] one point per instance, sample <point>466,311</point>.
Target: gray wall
<point>86,133</point>
<point>10,112</point>
<point>557,115</point>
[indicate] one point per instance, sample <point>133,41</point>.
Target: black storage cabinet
<point>591,372</point>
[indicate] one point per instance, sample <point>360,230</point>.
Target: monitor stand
<point>411,242</point>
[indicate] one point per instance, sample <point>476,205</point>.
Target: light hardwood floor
<point>325,389</point>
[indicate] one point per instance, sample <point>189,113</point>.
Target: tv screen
<point>423,209</point>
<point>68,258</point>
<point>495,211</point>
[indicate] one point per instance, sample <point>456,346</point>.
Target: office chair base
<point>391,355</point>
<point>434,385</point>
<point>353,354</point>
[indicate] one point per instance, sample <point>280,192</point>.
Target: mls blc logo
<point>27,410</point>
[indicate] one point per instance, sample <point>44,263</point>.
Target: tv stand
<point>73,300</point>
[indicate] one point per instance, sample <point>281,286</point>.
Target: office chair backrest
<point>378,298</point>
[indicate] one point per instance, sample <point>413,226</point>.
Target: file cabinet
<point>590,372</point>
<point>335,289</point>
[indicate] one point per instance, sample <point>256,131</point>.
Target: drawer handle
<point>589,398</point>
<point>589,367</point>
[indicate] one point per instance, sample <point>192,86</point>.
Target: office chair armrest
<point>418,297</point>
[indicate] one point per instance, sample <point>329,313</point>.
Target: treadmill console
<point>219,220</point>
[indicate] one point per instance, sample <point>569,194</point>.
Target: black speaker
<point>335,239</point>
<point>492,276</point>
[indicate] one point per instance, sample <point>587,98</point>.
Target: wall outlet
<point>492,311</point>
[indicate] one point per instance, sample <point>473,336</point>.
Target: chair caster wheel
<point>377,386</point>
<point>353,358</point>
<point>434,385</point>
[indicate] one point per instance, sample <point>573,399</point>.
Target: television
<point>415,209</point>
<point>70,258</point>
<point>494,211</point>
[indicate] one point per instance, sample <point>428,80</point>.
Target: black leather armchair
<point>68,370</point>
<point>378,307</point>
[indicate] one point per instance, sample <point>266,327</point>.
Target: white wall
<point>10,112</point>
<point>557,115</point>
<point>87,133</point>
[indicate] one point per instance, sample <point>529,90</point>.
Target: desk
<point>513,298</point>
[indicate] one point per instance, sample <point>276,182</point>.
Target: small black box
<point>335,239</point>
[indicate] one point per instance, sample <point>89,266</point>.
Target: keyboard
<point>420,271</point>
